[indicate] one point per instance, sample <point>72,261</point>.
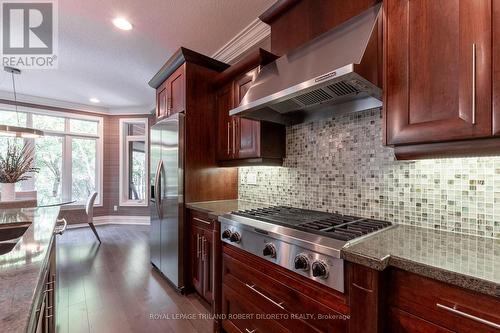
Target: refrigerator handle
<point>157,189</point>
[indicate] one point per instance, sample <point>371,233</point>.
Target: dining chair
<point>89,210</point>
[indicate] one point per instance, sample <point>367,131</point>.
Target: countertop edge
<point>433,272</point>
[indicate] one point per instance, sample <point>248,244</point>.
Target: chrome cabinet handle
<point>235,125</point>
<point>228,139</point>
<point>202,221</point>
<point>252,287</point>
<point>204,247</point>
<point>60,231</point>
<point>473,84</point>
<point>198,252</point>
<point>469,316</point>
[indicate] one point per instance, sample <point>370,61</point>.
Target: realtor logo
<point>29,34</point>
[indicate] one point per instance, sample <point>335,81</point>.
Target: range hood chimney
<point>333,73</point>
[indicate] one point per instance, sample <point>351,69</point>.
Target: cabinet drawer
<point>403,322</point>
<point>202,220</point>
<point>449,306</point>
<point>242,316</point>
<point>276,297</point>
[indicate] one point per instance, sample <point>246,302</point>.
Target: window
<point>133,162</point>
<point>69,156</point>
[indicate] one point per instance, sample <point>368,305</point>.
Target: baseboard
<point>114,219</point>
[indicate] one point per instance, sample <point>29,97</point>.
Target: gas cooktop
<point>306,242</point>
<point>342,227</point>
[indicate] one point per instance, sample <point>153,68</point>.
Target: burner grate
<point>343,227</point>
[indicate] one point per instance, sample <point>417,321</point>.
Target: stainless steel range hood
<point>334,73</point>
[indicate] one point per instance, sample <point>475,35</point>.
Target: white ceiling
<point>98,60</point>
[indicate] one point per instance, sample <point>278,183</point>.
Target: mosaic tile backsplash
<point>340,165</point>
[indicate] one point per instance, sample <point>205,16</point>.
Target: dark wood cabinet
<point>399,301</point>
<point>437,70</point>
<point>496,67</point>
<point>205,259</point>
<point>247,140</point>
<point>171,94</point>
<point>449,307</point>
<point>161,101</point>
<point>243,141</point>
<point>45,313</point>
<point>196,258</point>
<point>176,100</point>
<point>225,123</point>
<point>260,287</point>
<point>202,259</point>
<point>404,322</point>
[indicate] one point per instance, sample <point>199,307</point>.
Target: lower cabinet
<point>45,320</point>
<point>202,230</point>
<point>402,322</point>
<point>258,296</point>
<point>205,260</point>
<point>417,303</point>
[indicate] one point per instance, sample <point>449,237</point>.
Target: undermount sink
<point>13,231</point>
<point>6,247</point>
<point>10,234</point>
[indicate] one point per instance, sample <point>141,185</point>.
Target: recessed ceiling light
<point>122,23</point>
<point>94,100</point>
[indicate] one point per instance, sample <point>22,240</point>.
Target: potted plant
<point>15,166</point>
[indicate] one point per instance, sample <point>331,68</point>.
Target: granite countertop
<point>471,262</point>
<point>21,269</point>
<point>220,207</point>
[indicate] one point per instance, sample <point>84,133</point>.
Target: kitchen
<point>313,166</point>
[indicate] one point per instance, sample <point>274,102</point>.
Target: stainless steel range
<point>304,241</point>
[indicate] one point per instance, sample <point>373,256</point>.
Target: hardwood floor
<point>112,287</point>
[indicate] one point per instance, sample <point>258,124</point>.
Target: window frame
<point>125,139</point>
<point>66,151</point>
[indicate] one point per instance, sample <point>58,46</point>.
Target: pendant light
<point>18,131</point>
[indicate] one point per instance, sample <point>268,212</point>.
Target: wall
<point>340,165</point>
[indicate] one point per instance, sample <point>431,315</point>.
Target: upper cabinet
<point>243,141</point>
<point>438,70</point>
<point>496,68</point>
<point>171,94</point>
<point>442,77</point>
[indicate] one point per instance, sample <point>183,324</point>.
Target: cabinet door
<point>247,131</point>
<point>176,91</point>
<point>496,68</point>
<point>208,265</point>
<point>225,128</point>
<point>437,70</point>
<point>161,101</point>
<point>196,258</point>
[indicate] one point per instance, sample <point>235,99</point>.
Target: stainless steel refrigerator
<point>167,220</point>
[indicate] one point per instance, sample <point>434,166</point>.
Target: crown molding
<point>251,35</point>
<point>55,103</point>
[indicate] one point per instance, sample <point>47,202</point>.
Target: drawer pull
<point>202,221</point>
<point>252,287</point>
<point>252,331</point>
<point>469,316</point>
<point>198,250</point>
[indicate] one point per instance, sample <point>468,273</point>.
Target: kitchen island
<point>27,267</point>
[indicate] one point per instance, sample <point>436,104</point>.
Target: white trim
<point>50,102</point>
<point>123,152</point>
<point>115,219</point>
<point>251,35</point>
